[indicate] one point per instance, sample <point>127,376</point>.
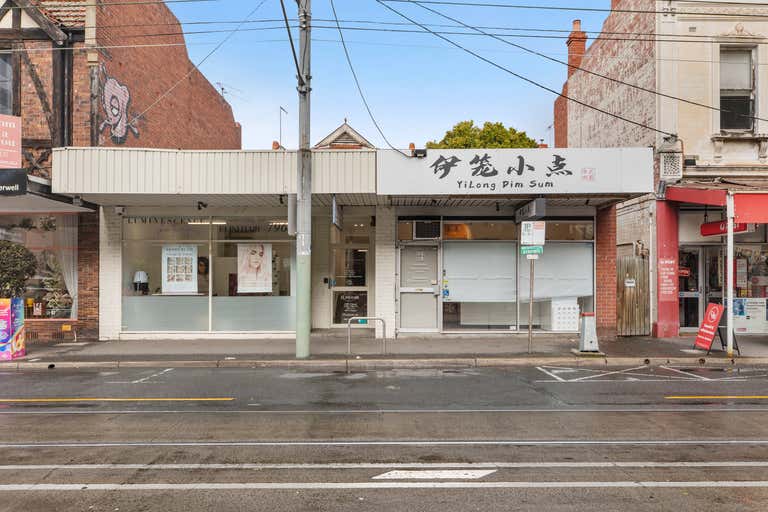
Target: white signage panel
<point>179,269</point>
<point>516,172</point>
<point>533,233</point>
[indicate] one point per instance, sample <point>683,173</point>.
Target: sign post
<point>532,238</point>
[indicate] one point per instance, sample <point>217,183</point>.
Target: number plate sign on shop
<point>708,328</point>
<point>533,233</point>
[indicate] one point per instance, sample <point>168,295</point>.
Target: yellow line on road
<point>718,397</point>
<point>88,399</point>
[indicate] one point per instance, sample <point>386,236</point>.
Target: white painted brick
<point>110,274</point>
<point>386,227</point>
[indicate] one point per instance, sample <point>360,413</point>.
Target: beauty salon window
<point>207,273</point>
<point>52,292</point>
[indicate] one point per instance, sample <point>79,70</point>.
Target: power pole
<point>304,191</point>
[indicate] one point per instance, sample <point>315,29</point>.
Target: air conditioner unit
<point>426,229</point>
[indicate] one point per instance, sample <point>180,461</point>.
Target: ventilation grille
<point>671,166</point>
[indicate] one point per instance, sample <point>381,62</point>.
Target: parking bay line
<point>469,466</point>
<point>717,397</point>
<point>204,486</point>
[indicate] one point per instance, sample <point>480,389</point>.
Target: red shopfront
<point>726,262</point>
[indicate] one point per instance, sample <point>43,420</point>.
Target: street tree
<point>467,135</point>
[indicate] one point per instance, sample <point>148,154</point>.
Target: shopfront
<point>197,244</point>
<point>701,270</point>
<point>457,237</point>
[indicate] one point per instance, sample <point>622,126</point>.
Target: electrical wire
<point>357,83</point>
<point>197,66</point>
<point>585,9</point>
<point>524,78</point>
<point>593,73</point>
<point>299,74</point>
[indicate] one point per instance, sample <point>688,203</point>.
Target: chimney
<point>577,45</point>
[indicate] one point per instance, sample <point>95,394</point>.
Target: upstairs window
<point>6,84</point>
<point>737,88</point>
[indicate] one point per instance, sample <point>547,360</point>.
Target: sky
<point>417,85</point>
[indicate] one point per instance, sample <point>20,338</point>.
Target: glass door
<point>352,268</point>
<point>690,287</point>
<point>714,272</point>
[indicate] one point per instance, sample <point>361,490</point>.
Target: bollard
<point>588,336</point>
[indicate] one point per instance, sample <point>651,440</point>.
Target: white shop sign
<point>516,171</point>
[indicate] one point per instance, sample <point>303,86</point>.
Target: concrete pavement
<point>329,351</point>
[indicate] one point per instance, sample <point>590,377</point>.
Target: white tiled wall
<point>321,269</point>
<point>386,226</point>
<point>110,280</point>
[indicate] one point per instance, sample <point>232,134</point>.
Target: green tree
<point>466,135</point>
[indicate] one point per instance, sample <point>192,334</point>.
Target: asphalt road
<point>552,438</point>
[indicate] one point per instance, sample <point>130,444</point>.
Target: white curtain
<point>65,240</point>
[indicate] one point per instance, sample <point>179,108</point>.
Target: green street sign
<point>531,249</point>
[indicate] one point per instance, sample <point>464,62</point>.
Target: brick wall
<point>605,256</point>
<point>192,116</point>
<point>630,61</point>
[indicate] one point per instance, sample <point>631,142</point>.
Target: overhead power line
<point>522,77</point>
<point>585,9</point>
<point>290,40</point>
<point>357,82</point>
<point>197,66</point>
<point>593,73</point>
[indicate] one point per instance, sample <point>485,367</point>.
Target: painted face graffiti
<point>116,101</point>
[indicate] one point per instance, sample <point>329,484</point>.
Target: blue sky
<point>418,86</point>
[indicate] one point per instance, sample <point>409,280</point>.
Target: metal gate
<point>633,298</point>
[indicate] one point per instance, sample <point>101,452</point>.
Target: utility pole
<point>304,190</point>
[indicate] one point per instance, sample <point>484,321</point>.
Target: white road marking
<point>384,465</point>
<point>626,370</point>
<point>435,474</point>
<point>145,379</point>
<point>687,374</point>
<point>202,486</point>
<point>541,369</point>
<point>522,442</point>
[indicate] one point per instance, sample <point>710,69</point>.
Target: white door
<point>419,289</point>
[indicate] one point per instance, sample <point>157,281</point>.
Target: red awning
<point>750,206</point>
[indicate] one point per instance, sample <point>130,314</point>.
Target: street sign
<point>708,328</point>
<point>533,233</point>
<point>721,228</point>
<point>533,210</point>
<point>13,182</point>
<point>531,249</point>
<point>532,256</point>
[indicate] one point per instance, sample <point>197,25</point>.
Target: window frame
<point>751,93</point>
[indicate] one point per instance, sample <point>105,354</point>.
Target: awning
<point>750,203</point>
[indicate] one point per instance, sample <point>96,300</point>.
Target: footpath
<point>329,353</point>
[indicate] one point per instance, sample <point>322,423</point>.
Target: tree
<point>18,266</point>
<point>465,135</point>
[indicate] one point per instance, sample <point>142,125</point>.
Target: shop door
<point>690,287</point>
<point>419,290</point>
<point>633,311</point>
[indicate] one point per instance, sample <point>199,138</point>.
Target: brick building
<point>79,74</point>
<point>699,71</point>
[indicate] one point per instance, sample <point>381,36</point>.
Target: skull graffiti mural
<point>116,101</point>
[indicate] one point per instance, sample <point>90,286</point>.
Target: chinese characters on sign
<point>521,171</point>
<point>482,166</point>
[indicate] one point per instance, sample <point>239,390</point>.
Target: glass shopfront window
<point>208,273</point>
<point>52,292</point>
<point>352,265</point>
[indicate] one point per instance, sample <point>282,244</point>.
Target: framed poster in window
<point>179,269</point>
<point>254,268</point>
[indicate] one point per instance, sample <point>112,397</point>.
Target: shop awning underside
<point>750,201</point>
